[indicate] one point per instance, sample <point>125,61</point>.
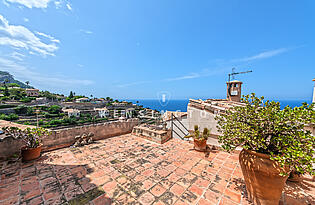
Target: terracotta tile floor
<point>128,169</point>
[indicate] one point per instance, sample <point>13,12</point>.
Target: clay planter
<point>263,183</point>
<point>200,145</point>
<point>29,154</point>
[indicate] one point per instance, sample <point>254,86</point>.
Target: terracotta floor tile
<point>146,198</point>
<point>157,190</point>
<point>130,169</point>
<point>236,197</point>
<point>177,189</point>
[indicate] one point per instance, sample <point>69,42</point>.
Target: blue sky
<point>136,49</point>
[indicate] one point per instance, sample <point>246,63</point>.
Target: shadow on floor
<point>295,193</point>
<point>39,182</point>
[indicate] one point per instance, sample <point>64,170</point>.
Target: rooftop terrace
<point>128,169</point>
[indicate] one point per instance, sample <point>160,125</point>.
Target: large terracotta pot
<point>200,145</point>
<point>29,154</point>
<point>263,183</point>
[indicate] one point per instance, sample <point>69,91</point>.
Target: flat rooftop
<point>131,170</point>
<point>213,105</point>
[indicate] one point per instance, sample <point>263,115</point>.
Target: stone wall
<point>7,111</point>
<point>66,137</point>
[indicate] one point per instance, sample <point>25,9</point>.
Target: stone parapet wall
<point>66,137</point>
<point>159,136</point>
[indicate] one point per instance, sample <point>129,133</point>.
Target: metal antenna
<point>233,71</point>
<point>233,77</point>
<point>237,73</point>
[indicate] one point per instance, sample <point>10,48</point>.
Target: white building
<point>203,112</point>
<point>72,112</point>
<point>102,112</point>
<point>81,100</point>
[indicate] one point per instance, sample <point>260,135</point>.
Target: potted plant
<point>31,138</point>
<point>274,142</point>
<point>200,139</point>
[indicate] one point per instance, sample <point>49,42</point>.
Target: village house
<point>82,100</point>
<point>32,92</point>
<point>203,112</point>
<point>72,112</point>
<point>102,112</point>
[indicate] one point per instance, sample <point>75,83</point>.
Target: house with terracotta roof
<point>72,112</point>
<point>30,92</point>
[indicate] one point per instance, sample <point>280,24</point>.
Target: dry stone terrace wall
<point>66,137</point>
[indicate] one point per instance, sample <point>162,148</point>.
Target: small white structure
<point>81,100</point>
<point>72,112</point>
<point>102,112</point>
<point>41,100</point>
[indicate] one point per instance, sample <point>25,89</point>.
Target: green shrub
<point>21,109</point>
<point>55,122</point>
<point>13,85</point>
<point>40,122</point>
<point>54,109</point>
<point>265,128</point>
<point>4,98</point>
<point>48,115</point>
<point>27,99</point>
<point>9,117</point>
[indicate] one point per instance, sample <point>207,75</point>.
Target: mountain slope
<point>7,76</point>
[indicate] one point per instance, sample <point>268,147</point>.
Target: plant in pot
<point>32,140</point>
<point>200,139</point>
<point>274,142</point>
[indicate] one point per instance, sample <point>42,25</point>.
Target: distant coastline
<point>181,105</point>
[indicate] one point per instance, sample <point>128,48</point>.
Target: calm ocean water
<point>181,105</point>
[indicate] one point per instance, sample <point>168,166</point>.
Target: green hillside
<point>10,79</point>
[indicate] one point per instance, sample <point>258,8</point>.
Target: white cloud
<point>21,71</point>
<point>26,20</point>
<point>52,39</point>
<point>31,3</point>
<point>58,4</point>
<point>17,56</point>
<point>41,4</point>
<point>227,65</point>
<point>69,6</point>
<point>132,84</point>
<point>189,76</point>
<point>6,3</point>
<point>265,54</point>
<point>80,65</point>
<point>86,31</point>
<point>19,37</point>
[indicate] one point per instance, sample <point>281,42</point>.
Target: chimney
<point>234,91</point>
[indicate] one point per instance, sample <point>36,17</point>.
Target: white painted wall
<point>184,121</point>
<point>202,118</point>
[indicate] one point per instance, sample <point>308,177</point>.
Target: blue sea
<point>181,105</point>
